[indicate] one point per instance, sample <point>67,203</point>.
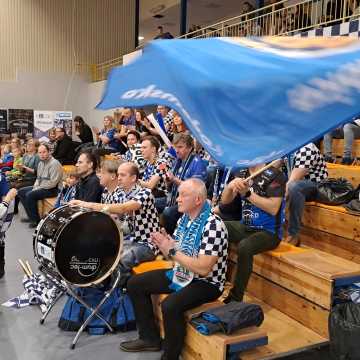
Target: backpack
<point>117,310</point>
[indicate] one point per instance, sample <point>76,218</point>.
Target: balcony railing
<point>275,19</point>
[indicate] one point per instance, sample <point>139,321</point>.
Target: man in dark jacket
<point>88,188</point>
<point>64,149</point>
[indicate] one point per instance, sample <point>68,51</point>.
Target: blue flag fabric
<point>247,100</point>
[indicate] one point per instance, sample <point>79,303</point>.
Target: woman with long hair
<point>83,131</point>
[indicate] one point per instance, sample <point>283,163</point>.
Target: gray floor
<point>21,335</point>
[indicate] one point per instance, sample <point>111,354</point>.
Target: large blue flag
<point>248,101</point>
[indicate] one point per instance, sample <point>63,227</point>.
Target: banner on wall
<point>63,119</point>
<point>43,122</point>
<point>3,121</point>
<point>21,121</point>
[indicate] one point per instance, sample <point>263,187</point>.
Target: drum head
<point>88,248</point>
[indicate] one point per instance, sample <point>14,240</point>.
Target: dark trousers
<point>140,287</point>
<point>18,184</point>
<point>29,198</point>
<point>249,243</point>
<point>170,216</point>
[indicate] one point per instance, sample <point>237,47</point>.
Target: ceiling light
<point>140,38</point>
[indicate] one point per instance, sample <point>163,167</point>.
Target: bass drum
<point>81,245</point>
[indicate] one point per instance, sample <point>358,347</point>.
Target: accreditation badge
<point>182,276</point>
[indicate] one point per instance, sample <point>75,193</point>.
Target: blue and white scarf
<point>188,237</point>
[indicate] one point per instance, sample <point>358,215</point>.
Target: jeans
<point>133,254</point>
<point>140,287</point>
<point>349,133</point>
<point>299,192</point>
<point>170,216</point>
<point>249,243</point>
<point>160,203</point>
<point>29,198</point>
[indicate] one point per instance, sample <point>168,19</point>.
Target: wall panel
<point>38,36</point>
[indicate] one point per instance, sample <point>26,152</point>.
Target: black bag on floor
<point>334,191</point>
<point>344,330</point>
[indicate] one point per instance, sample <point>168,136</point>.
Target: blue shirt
<point>113,143</point>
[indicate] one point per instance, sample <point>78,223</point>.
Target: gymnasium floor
<point>23,338</point>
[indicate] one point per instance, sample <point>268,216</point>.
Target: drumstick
<point>256,173</point>
<point>29,268</point>
<point>25,269</point>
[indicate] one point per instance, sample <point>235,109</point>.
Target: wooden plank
<point>285,334</point>
<point>334,222</point>
<point>298,308</point>
<point>322,264</point>
<point>312,287</point>
<point>46,205</point>
<point>330,243</point>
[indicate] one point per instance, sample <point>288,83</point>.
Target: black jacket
<point>64,151</point>
<point>89,189</point>
<point>86,135</point>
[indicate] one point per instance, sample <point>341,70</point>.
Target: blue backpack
<point>117,310</point>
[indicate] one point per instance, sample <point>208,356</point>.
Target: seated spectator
<point>48,177</point>
<point>7,159</point>
<point>15,172</point>
<point>162,35</point>
<point>142,122</point>
<point>199,251</point>
<point>52,140</point>
<point>83,131</point>
<point>112,193</point>
<point>179,126</point>
<point>139,218</point>
<point>154,173</point>
<point>88,188</point>
<point>188,165</point>
<point>260,227</point>
<point>30,162</point>
<point>68,191</point>
<point>349,132</point>
<point>134,152</point>
<point>126,123</point>
<point>106,141</point>
<point>64,149</point>
<point>15,143</point>
<point>309,169</point>
<point>6,216</point>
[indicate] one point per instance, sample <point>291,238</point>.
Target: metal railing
<point>275,19</point>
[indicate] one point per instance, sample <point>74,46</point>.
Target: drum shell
<point>82,246</point>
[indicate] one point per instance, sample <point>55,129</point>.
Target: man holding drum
<point>199,251</point>
<point>139,218</point>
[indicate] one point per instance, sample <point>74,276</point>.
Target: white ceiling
<point>199,12</point>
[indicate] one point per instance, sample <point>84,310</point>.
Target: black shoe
<point>329,159</point>
<point>139,345</point>
<point>33,225</point>
<point>347,161</point>
<point>25,220</point>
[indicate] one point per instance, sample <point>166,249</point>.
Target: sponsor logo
<point>85,268</point>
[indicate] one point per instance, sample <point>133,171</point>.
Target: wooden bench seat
<point>68,169</point>
<point>217,346</point>
<point>46,205</point>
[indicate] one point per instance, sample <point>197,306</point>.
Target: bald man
<point>136,209</point>
<point>199,251</point>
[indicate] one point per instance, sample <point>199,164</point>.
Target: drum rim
<point>117,259</point>
<point>58,233</point>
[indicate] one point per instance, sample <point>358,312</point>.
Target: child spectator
<point>67,193</point>
<point>6,216</point>
<point>7,159</point>
<point>16,171</point>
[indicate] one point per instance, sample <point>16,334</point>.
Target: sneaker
<point>293,240</point>
<point>329,159</point>
<point>33,225</point>
<point>25,220</point>
<point>139,345</point>
<point>347,161</point>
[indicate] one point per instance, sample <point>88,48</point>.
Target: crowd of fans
<point>170,200</point>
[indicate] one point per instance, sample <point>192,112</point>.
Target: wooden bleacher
<point>349,172</point>
<point>338,148</point>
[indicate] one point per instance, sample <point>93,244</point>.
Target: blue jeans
<point>133,254</point>
<point>29,198</point>
<point>299,191</point>
<point>349,133</point>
